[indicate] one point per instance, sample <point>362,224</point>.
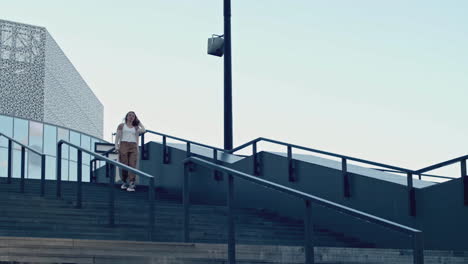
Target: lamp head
<point>216,45</point>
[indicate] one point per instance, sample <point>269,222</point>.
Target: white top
<point>129,134</point>
<point>133,132</point>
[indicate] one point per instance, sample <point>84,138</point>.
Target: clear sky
<point>380,80</point>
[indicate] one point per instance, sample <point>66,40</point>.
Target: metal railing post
<point>59,169</point>
<point>418,248</point>
<point>143,149</point>
<point>91,170</point>
<point>188,150</point>
<point>43,174</point>
<point>79,179</point>
<point>256,170</point>
<point>216,174</point>
<point>10,161</point>
<point>465,181</point>
<point>165,151</point>
<point>23,161</point>
<point>291,167</point>
<point>186,202</point>
<point>411,195</point>
<point>151,210</point>
<point>215,159</point>
<point>110,174</point>
<point>346,185</point>
<point>230,221</point>
<point>309,234</point>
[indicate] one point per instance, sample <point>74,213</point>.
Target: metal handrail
<point>291,164</point>
<point>165,149</point>
<point>417,235</point>
<point>292,167</point>
<point>113,162</point>
<point>280,143</point>
<point>344,167</point>
<point>320,152</point>
<point>110,164</point>
<point>419,175</point>
<point>463,173</point>
<point>165,154</point>
<point>184,140</point>
<point>21,144</point>
<point>179,139</point>
<point>285,144</point>
<point>394,168</point>
<point>108,152</point>
<point>23,159</point>
<point>442,164</point>
<point>105,154</point>
<point>92,162</point>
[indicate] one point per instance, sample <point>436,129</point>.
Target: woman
<point>126,144</point>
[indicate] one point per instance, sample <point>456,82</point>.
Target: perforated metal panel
<point>38,82</point>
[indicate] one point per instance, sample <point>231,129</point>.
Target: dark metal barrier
<point>23,159</point>
<point>414,234</point>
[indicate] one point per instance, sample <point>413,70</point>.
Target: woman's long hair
<point>135,122</point>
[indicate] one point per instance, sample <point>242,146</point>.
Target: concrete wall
<point>443,216</point>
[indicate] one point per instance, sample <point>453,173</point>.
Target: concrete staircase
<point>37,229</point>
<point>28,215</point>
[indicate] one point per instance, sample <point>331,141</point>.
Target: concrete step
<point>81,216</point>
<point>39,250</point>
<point>204,232</point>
<point>26,214</point>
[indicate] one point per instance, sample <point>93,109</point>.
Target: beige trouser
<point>128,154</point>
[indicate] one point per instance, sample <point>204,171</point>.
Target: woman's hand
<point>141,128</point>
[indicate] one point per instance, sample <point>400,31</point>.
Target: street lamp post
<point>219,45</point>
<point>228,135</point>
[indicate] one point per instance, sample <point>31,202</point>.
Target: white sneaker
<point>131,187</point>
<point>124,186</point>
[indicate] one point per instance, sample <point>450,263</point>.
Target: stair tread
<point>27,214</point>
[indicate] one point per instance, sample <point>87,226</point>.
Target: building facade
<point>39,83</point>
<point>43,99</point>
